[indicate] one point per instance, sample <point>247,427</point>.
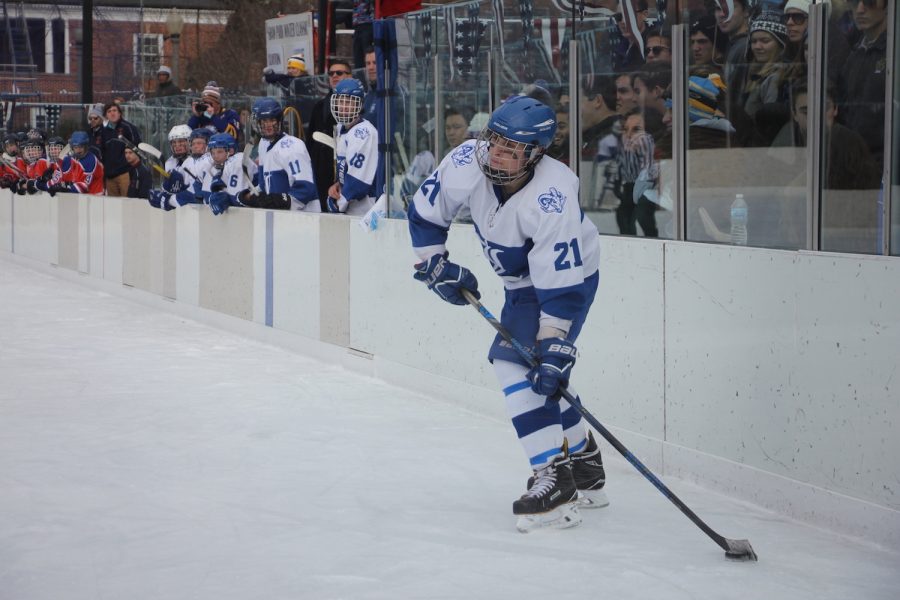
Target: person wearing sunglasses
<point>659,48</point>
<point>627,52</point>
<point>863,76</point>
<point>796,17</point>
<point>322,120</point>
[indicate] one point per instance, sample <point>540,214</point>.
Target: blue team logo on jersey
<point>463,155</point>
<point>552,201</point>
<point>361,133</point>
<point>286,142</point>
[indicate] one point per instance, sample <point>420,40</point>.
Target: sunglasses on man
<point>657,50</point>
<point>337,73</point>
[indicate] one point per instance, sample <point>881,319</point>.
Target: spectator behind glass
<point>737,27</point>
<point>363,33</point>
<point>95,129</point>
<point>456,128</point>
<point>768,82</point>
<point>209,113</point>
<point>627,53</point>
<point>139,179</point>
<point>863,77</point>
<point>322,120</point>
<point>559,147</point>
<point>117,134</point>
<point>638,173</point>
<point>659,48</point>
<point>849,164</point>
<point>625,97</point>
<point>708,44</point>
<point>165,85</point>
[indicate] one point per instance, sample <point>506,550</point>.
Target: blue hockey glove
<point>42,185</point>
<point>217,185</point>
<point>336,205</point>
<point>555,357</point>
<point>219,202</point>
<point>157,198</point>
<point>174,183</point>
<point>447,279</point>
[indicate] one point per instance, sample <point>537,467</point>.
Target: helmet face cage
<point>53,150</point>
<point>504,160</point>
<point>32,151</point>
<point>345,108</point>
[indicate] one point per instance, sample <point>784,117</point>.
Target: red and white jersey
<point>37,168</point>
<point>93,173</point>
<point>17,162</point>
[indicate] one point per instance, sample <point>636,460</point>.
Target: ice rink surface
<point>145,456</point>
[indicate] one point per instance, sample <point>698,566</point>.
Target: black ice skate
<point>550,500</point>
<point>587,470</point>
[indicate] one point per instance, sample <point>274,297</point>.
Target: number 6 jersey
<point>537,237</point>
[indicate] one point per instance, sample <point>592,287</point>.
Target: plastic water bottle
<point>739,221</point>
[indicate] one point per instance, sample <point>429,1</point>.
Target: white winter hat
<point>211,90</point>
<point>801,5</point>
<point>164,69</point>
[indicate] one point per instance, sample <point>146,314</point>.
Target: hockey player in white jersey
<point>180,145</point>
<point>356,147</point>
<point>226,181</point>
<point>284,173</point>
<point>186,172</point>
<point>525,211</point>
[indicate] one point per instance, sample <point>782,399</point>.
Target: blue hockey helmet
<point>347,100</point>
<point>201,132</point>
<point>79,142</point>
<point>221,140</point>
<point>514,139</point>
<point>267,109</point>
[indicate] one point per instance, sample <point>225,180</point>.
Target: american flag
<point>450,22</point>
<point>526,12</point>
<point>553,35</point>
<point>469,33</point>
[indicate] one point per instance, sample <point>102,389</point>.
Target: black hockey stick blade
<point>734,549</point>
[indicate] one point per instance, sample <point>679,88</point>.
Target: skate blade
<point>561,517</point>
<point>592,499</point>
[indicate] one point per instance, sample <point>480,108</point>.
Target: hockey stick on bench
<point>734,549</point>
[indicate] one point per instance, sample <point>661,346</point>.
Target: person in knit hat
<point>210,114</point>
<point>165,85</point>
<point>796,17</point>
<point>766,84</point>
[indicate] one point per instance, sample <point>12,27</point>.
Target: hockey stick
<point>149,157</point>
<point>323,138</point>
<point>13,167</point>
<point>734,549</point>
<point>245,165</point>
<point>403,158</point>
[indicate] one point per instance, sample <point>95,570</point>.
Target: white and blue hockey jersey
<point>357,161</point>
<point>538,237</point>
<point>231,174</point>
<point>286,168</point>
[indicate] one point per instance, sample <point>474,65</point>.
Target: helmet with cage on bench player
<point>32,148</point>
<point>179,140</point>
<point>515,139</point>
<point>54,147</point>
<point>347,101</point>
<point>267,116</point>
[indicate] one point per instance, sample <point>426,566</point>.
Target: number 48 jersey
<point>537,237</point>
<point>357,160</point>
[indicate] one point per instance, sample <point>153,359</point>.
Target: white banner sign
<point>286,36</point>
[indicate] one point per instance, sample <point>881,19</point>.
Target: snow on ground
<point>145,456</point>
